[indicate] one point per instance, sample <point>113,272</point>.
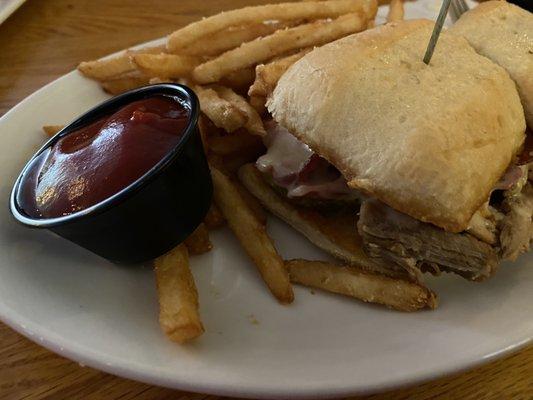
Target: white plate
<point>105,316</point>
<point>8,7</point>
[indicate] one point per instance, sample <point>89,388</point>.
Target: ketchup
<point>93,163</point>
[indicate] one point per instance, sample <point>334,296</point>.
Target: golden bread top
<point>430,141</point>
<point>503,32</point>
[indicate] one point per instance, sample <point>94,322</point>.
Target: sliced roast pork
<point>516,227</point>
<point>513,196</point>
<point>415,245</point>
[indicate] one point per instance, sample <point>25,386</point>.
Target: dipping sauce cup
<point>152,210</point>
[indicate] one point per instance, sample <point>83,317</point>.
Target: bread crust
<point>429,141</point>
<point>503,32</point>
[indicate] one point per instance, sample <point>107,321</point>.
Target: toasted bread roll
<point>503,32</point>
<point>428,140</point>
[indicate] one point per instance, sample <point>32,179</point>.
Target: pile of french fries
<point>233,62</point>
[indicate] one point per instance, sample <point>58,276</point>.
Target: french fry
<point>239,142</point>
<point>198,242</point>
<point>178,298</point>
<point>232,163</point>
<point>273,12</point>
<point>395,11</point>
<point>259,104</point>
<point>239,80</point>
<point>398,294</point>
<point>219,42</point>
<point>214,218</point>
<point>165,65</point>
<point>252,236</point>
<point>111,68</point>
<point>51,130</point>
<point>121,85</point>
<point>253,124</point>
<point>107,68</point>
<point>161,48</point>
<point>267,75</point>
<point>204,132</point>
<point>280,42</point>
<point>253,204</point>
<point>221,112</point>
<point>158,79</point>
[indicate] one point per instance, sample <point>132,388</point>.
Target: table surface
<point>46,39</point>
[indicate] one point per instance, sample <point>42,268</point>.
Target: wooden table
<point>45,39</point>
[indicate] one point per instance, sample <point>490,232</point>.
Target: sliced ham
<point>513,178</point>
<point>293,166</point>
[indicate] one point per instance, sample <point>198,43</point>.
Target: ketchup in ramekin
<point>128,180</point>
<point>99,160</point>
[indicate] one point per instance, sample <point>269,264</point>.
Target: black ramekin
<point>154,213</point>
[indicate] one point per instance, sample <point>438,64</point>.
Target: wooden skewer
<point>436,30</point>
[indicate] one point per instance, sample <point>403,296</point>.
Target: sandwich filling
<point>300,172</point>
<point>501,229</point>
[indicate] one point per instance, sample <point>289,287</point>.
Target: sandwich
<point>396,166</point>
<point>503,32</point>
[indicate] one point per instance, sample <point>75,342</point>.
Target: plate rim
<point>9,9</point>
<point>94,360</point>
<point>76,353</point>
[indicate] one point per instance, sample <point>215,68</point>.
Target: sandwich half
<point>503,32</point>
<point>398,166</point>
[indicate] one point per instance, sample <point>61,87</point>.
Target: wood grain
<point>45,39</point>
